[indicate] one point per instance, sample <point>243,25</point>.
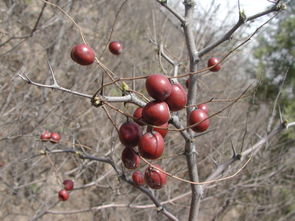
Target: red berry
<point>45,136</point>
<point>156,113</point>
<point>203,107</point>
<point>158,86</point>
<point>63,195</point>
<point>151,145</point>
<point>154,178</point>
<point>129,134</point>
<point>55,137</point>
<point>214,61</point>
<point>138,178</point>
<point>115,47</point>
<point>83,54</point>
<point>177,99</point>
<point>138,116</point>
<point>197,116</point>
<point>68,184</point>
<point>163,130</point>
<point>130,159</point>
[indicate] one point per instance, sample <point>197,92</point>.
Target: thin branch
<point>121,175</point>
<point>242,20</point>
<point>127,98</point>
<point>34,29</point>
<point>172,11</point>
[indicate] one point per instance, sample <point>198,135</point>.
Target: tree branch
<point>242,19</point>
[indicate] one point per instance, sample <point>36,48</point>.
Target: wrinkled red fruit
<point>129,134</point>
<point>156,113</point>
<point>158,86</point>
<point>163,130</point>
<point>151,145</point>
<point>63,195</point>
<point>203,107</point>
<point>138,116</point>
<point>83,54</point>
<point>68,184</point>
<point>197,116</point>
<point>177,99</point>
<point>45,136</point>
<point>115,47</point>
<point>138,178</point>
<point>154,178</point>
<point>214,61</point>
<point>55,137</point>
<point>130,159</point>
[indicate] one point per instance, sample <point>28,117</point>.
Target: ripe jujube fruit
<point>151,145</point>
<point>130,159</point>
<point>129,134</point>
<point>154,178</point>
<point>68,184</point>
<point>199,116</point>
<point>203,107</point>
<point>156,113</point>
<point>158,86</point>
<point>177,99</point>
<point>138,116</point>
<point>115,47</point>
<point>55,137</point>
<point>45,136</point>
<point>138,178</point>
<point>214,61</point>
<point>63,195</point>
<point>163,130</point>
<point>83,54</point>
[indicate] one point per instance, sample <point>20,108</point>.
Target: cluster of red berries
<point>84,55</point>
<point>64,194</point>
<point>52,137</point>
<point>168,96</point>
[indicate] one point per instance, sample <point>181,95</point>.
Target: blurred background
<point>29,39</point>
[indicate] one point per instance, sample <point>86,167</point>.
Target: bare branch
<point>121,175</point>
<point>174,12</point>
<point>242,19</point>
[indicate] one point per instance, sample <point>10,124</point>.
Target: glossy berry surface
<point>63,195</point>
<point>83,54</point>
<point>154,178</point>
<point>138,116</point>
<point>130,159</point>
<point>214,61</point>
<point>129,134</point>
<point>158,86</point>
<point>203,107</point>
<point>163,130</point>
<point>115,47</point>
<point>68,184</point>
<point>55,137</point>
<point>198,116</point>
<point>178,98</point>
<point>45,136</point>
<point>151,145</point>
<point>138,178</point>
<point>156,113</point>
